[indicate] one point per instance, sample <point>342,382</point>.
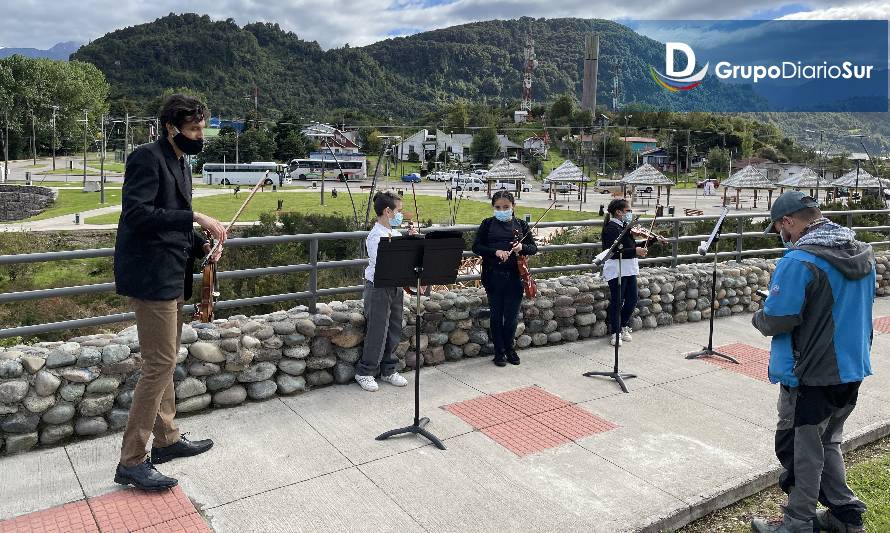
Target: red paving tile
<point>574,422</point>
<point>132,510</point>
<point>753,361</point>
<point>525,436</point>
<point>483,412</point>
<point>882,324</point>
<point>528,420</point>
<point>64,518</point>
<point>531,400</point>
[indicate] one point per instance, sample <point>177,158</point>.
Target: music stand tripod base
<point>709,352</point>
<point>617,376</point>
<point>418,428</point>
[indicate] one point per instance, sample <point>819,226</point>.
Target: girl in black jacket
<point>620,214</point>
<point>497,242</point>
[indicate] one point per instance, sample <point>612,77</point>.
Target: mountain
<point>402,77</point>
<point>60,51</point>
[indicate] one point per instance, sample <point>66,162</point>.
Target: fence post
<point>740,228</point>
<point>313,274</point>
<point>675,248</point>
<point>849,220</point>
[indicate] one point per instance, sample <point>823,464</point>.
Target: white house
<point>417,143</point>
<point>457,145</point>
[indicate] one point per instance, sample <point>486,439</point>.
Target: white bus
<point>351,167</point>
<point>243,173</point>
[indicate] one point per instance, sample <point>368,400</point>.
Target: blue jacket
<point>819,310</point>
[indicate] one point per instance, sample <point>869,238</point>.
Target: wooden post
<point>738,196</point>
<point>755,198</point>
<point>769,201</point>
<point>669,195</point>
<point>724,195</point>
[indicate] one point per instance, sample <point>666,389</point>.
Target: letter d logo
<point>670,48</point>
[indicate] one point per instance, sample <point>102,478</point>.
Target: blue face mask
<point>628,217</point>
<point>504,216</point>
<point>396,220</point>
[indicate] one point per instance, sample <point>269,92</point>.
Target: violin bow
<point>217,244</point>
<point>651,230</point>
<point>533,226</point>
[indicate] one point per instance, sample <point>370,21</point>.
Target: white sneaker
<point>367,382</point>
<point>395,379</point>
<point>614,338</point>
<point>625,334</point>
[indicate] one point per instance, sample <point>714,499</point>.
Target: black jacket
<point>611,231</point>
<point>156,240</point>
<point>482,246</point>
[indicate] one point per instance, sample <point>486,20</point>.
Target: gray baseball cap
<point>790,202</point>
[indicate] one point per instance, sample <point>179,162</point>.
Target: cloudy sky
<point>42,23</point>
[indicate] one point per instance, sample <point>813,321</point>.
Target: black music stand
<point>615,374</point>
<point>703,250</point>
<point>414,261</point>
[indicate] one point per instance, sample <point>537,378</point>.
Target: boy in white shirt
<point>383,305</point>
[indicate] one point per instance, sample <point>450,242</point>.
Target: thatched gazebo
<point>649,175</point>
<point>749,178</point>
<point>859,179</point>
<point>505,172</point>
<point>568,172</point>
<point>807,179</point>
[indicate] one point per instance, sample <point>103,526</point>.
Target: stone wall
<point>18,202</point>
<point>50,392</point>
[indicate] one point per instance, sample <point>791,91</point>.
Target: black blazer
<point>486,251</point>
<point>156,243</point>
<point>611,231</point>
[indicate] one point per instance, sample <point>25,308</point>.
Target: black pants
<point>504,289</point>
<point>629,299</point>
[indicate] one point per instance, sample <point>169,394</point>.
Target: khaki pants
<point>154,400</point>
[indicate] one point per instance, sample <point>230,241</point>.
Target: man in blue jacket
<point>819,313</point>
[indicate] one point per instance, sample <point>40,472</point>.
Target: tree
<point>458,117</point>
<point>718,160</point>
<point>219,149</point>
<point>485,146</point>
<point>256,145</point>
<point>290,143</point>
<point>562,109</point>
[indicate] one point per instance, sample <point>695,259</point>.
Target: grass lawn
<point>223,207</point>
<point>405,167</point>
<point>555,159</point>
<point>73,201</point>
<point>868,473</point>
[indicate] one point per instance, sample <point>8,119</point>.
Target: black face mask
<point>188,146</point>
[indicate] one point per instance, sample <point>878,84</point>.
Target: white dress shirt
<point>371,241</point>
<point>629,267</point>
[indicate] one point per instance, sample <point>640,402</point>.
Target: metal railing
<point>313,293</point>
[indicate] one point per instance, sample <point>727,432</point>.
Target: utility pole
<point>6,146</point>
<point>126,135</point>
<point>237,134</point>
<point>624,145</point>
<point>102,165</point>
<point>33,140</point>
<point>688,135</point>
<point>55,109</point>
<point>605,133</point>
<point>85,127</point>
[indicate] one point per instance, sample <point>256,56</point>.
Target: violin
<point>529,286</point>
<point>209,286</point>
<point>640,231</point>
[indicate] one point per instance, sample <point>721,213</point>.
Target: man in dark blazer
<point>153,265</point>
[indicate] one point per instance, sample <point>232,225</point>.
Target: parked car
<point>645,189</point>
<point>439,176</point>
<point>608,186</point>
<point>479,173</point>
<point>562,188</point>
<point>467,183</point>
<point>510,186</point>
<point>514,159</point>
<point>413,177</point>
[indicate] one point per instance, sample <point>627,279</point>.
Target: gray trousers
<point>814,465</point>
<point>383,330</point>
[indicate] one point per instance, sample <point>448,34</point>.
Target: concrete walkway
<point>691,436</point>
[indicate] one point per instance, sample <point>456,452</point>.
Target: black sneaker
<point>500,359</point>
<point>143,476</point>
<point>513,358</point>
<point>182,448</point>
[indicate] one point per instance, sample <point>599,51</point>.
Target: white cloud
<point>359,22</point>
<point>863,11</point>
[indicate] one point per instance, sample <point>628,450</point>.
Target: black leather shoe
<point>143,476</point>
<point>500,359</point>
<point>513,358</point>
<point>183,448</point>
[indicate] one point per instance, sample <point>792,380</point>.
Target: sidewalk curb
<point>751,486</point>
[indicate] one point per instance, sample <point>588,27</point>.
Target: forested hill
<point>403,77</point>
